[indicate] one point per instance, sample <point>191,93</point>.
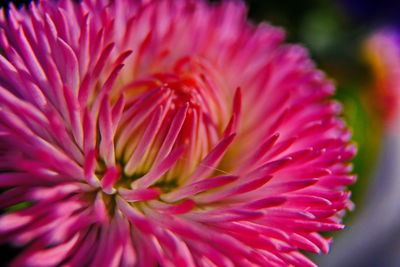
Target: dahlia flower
<point>171,133</point>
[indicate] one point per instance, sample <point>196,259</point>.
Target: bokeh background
<point>335,33</point>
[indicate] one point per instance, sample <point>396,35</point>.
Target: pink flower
<point>165,132</point>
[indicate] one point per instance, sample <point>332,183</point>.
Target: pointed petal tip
<point>266,203</point>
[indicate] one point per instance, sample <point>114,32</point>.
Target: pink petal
<point>173,132</point>
<point>109,179</point>
<point>208,164</point>
<point>175,208</point>
<point>47,257</point>
<point>158,170</point>
<point>139,194</point>
<point>198,187</point>
<point>145,142</point>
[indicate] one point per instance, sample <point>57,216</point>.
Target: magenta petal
<point>266,203</point>
<point>174,208</point>
<point>129,256</point>
<point>159,169</point>
<point>259,153</point>
<point>84,252</point>
<point>139,194</point>
<point>225,216</point>
<point>109,179</point>
<point>173,132</point>
<point>89,136</point>
<point>234,121</point>
<point>13,221</point>
<point>116,112</point>
<point>100,208</point>
<point>199,187</point>
<point>89,168</point>
<point>106,132</point>
<point>210,161</point>
<point>47,257</point>
<point>102,59</point>
<point>234,189</point>
<point>145,142</point>
<point>135,217</point>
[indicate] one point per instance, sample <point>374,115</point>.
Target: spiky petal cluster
<point>166,132</point>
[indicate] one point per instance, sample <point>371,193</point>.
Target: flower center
<point>169,123</point>
<point>184,90</point>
